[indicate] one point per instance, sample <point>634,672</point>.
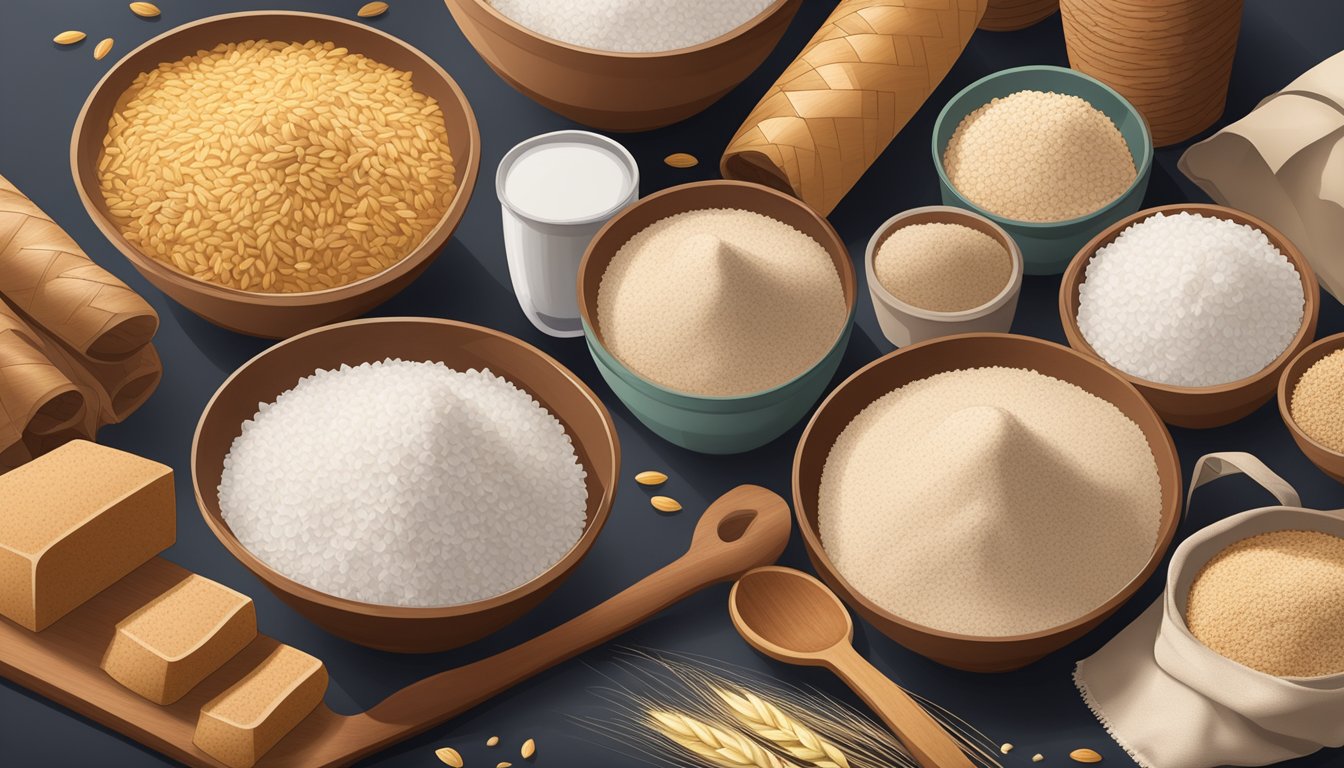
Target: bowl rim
<point>1142,167</point>
<point>432,242</point>
<point>1288,384</point>
<point>1166,534</point>
<point>601,508</point>
<point>847,276</point>
<point>572,136</point>
<point>729,36</point>
<point>904,219</point>
<point>1075,275</point>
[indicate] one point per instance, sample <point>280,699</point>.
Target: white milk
<point>567,181</point>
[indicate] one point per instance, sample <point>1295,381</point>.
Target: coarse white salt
<point>721,302</point>
<point>990,502</point>
<point>942,267</point>
<point>632,25</point>
<point>1190,300</point>
<point>1038,156</point>
<point>405,483</point>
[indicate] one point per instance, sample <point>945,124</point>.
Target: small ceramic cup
<point>904,324</point>
<point>544,253</point>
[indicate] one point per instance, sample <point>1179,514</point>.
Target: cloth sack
<point>1170,701</point>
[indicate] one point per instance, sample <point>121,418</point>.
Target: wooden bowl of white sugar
<point>631,65</point>
<point>412,625</point>
<point>964,536</point>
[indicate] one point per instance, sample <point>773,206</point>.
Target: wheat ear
<point>714,745</point>
<point>772,724</point>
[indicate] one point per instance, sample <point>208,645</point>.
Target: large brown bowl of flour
<point>978,452</point>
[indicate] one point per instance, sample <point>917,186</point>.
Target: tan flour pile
<point>1318,401</point>
<point>942,267</point>
<point>1275,603</point>
<point>721,302</point>
<point>990,501</point>
<point>1037,156</point>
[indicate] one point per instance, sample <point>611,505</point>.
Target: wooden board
<point>62,663</point>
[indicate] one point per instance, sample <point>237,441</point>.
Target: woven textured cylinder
<point>1170,58</point>
<point>1008,15</point>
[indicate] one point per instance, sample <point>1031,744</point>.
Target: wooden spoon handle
<point>928,742</point>
<point>745,528</point>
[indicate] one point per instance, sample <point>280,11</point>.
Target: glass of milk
<point>556,191</point>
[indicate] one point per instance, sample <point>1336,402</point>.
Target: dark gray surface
<point>41,90</point>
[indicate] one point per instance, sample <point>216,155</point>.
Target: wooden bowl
<point>276,315</point>
<point>462,346</point>
<point>919,361</point>
<point>704,423</point>
<point>1197,407</point>
<point>1328,460</point>
<point>617,91</point>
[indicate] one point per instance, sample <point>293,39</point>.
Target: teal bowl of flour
<point>1047,247</point>
<point>716,424</point>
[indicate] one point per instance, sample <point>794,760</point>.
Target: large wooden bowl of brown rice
<point>344,276</point>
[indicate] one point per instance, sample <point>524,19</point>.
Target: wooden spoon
<point>791,617</point>
<point>745,528</point>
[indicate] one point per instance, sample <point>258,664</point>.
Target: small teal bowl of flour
<point>1049,154</point>
<point>718,312</point>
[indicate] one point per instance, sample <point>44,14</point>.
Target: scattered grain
<point>1036,156</point>
<point>681,160</point>
<point>665,504</point>
<point>1038,757</point>
<point>1316,402</point>
<point>370,10</point>
<point>942,267</point>
<point>1005,748</point>
<point>145,10</point>
<point>493,741</point>
<point>1085,756</point>
<point>721,302</point>
<point>503,764</point>
<point>1274,602</point>
<point>990,502</point>
<point>449,756</point>
<point>650,477</point>
<point>103,48</point>
<point>529,749</point>
<point>275,155</point>
<point>69,37</point>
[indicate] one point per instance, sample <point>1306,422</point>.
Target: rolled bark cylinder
<point>1009,15</point>
<point>858,81</point>
<point>37,399</point>
<point>48,278</point>
<point>1171,58</point>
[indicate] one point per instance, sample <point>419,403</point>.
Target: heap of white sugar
<point>632,25</point>
<point>405,483</point>
<point>1190,300</point>
<point>942,267</point>
<point>1036,156</point>
<point>990,502</point>
<point>720,302</point>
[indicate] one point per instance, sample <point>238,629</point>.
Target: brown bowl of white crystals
<point>275,171</point>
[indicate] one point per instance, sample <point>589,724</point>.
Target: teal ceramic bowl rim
<point>1142,167</point>
<point>841,338</point>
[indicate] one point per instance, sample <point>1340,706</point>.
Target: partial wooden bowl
<point>1328,460</point>
<point>617,91</point>
<point>705,423</point>
<point>1010,15</point>
<point>276,315</point>
<point>1197,407</point>
<point>973,350</point>
<point>461,346</point>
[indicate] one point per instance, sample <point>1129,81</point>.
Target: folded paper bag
<point>1170,701</point>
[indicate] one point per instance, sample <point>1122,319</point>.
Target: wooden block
<point>175,641</point>
<point>75,521</point>
<point>241,724</point>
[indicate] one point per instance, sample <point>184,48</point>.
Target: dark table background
<point>41,90</point>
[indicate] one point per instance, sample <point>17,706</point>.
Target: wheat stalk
<point>712,744</point>
<point>772,724</point>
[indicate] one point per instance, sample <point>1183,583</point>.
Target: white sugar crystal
<point>405,483</point>
<point>1190,300</point>
<point>632,25</point>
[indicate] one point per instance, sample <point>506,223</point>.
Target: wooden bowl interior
<point>698,196</point>
<point>458,345</point>
<point>950,353</point>
<point>1074,277</point>
<point>428,78</point>
<point>1288,383</point>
